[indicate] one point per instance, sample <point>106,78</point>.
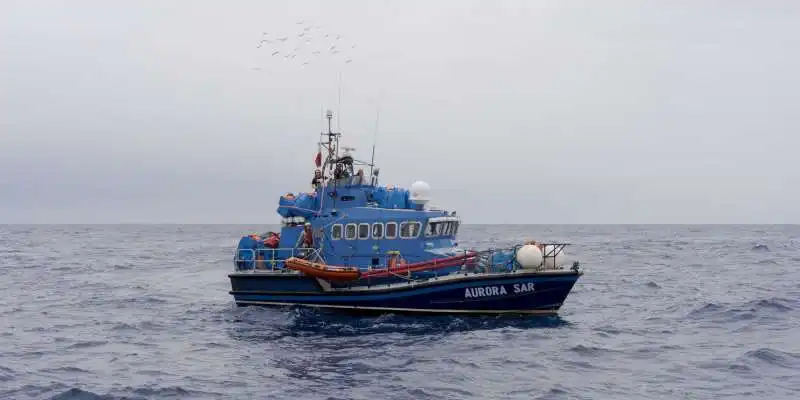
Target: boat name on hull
<point>497,290</point>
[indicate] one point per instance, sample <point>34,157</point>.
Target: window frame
<point>369,231</point>
<point>386,231</point>
<point>400,230</point>
<point>413,235</point>
<point>432,227</point>
<point>355,231</point>
<point>372,230</point>
<point>333,232</point>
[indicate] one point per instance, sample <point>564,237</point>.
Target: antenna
<point>375,136</point>
<point>321,118</point>
<point>339,106</point>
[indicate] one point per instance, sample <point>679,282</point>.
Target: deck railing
<point>271,258</point>
<point>505,258</point>
<point>481,260</point>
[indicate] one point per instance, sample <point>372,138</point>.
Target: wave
<point>775,357</point>
<point>775,303</point>
<point>89,343</point>
<point>6,374</point>
<point>162,392</point>
<point>143,392</point>
<point>748,310</point>
<point>66,370</point>
<point>608,330</point>
<point>590,350</point>
<point>760,247</point>
<point>556,392</point>
<point>767,262</point>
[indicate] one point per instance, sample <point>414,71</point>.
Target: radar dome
<point>529,256</point>
<point>420,192</point>
<point>560,258</point>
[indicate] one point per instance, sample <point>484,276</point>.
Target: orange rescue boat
<point>323,271</point>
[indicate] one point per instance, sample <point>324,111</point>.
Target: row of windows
<point>445,228</point>
<point>379,230</point>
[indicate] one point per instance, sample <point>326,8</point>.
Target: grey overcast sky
<point>513,111</point>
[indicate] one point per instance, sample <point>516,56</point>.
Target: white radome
<point>529,256</point>
<point>561,257</point>
<point>420,192</point>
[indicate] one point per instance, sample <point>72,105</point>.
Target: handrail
<point>488,256</point>
<point>247,259</point>
<point>240,262</point>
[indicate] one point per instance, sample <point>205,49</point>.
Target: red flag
<point>318,159</point>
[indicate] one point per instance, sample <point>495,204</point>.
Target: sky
<point>549,112</point>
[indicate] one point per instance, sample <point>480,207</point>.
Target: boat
<point>352,244</point>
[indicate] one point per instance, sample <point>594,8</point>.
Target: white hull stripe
<point>427,310</point>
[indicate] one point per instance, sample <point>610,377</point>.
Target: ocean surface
<point>143,311</point>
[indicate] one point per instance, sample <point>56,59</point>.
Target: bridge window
<point>410,229</point>
<point>430,229</point>
<point>416,227</point>
<point>336,232</point>
<point>377,230</point>
<point>391,230</point>
<point>350,231</point>
<point>405,230</point>
<point>363,231</point>
<point>437,227</point>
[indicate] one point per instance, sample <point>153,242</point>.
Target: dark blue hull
<point>512,293</point>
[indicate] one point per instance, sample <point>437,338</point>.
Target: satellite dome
<point>420,192</point>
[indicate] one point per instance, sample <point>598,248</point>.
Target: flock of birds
<point>308,45</point>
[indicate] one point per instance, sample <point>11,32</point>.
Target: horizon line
<point>463,223</point>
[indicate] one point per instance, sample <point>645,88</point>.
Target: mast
<point>332,150</point>
<point>375,137</point>
<point>332,144</point>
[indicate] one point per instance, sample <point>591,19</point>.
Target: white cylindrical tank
<point>529,256</point>
<point>561,257</point>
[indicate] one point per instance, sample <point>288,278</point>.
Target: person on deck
<point>317,181</point>
<point>308,236</point>
<point>338,172</point>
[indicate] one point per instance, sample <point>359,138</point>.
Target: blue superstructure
<point>404,253</point>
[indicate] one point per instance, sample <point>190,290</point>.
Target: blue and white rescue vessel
<point>355,245</point>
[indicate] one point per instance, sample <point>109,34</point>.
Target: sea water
<point>662,312</point>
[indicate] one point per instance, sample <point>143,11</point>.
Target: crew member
<point>308,236</point>
<point>317,181</point>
